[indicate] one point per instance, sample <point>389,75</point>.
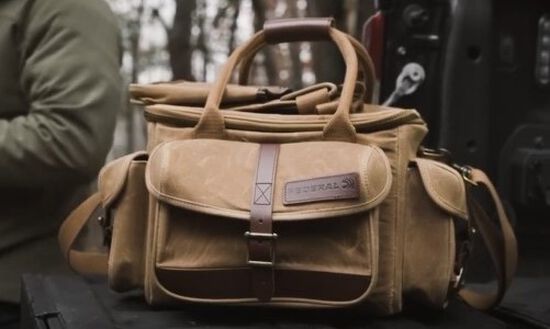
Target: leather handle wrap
<point>301,29</point>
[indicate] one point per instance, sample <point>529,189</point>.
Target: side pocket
<point>125,199</point>
<point>436,198</point>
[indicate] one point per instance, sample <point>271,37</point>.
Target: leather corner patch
<point>327,188</point>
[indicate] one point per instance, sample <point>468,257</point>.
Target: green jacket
<point>60,90</point>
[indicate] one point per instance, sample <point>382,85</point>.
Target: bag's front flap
<point>444,185</point>
<point>112,178</point>
<point>313,179</point>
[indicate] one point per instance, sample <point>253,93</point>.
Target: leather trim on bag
<point>335,187</point>
<point>291,30</point>
<point>261,239</point>
<point>235,283</point>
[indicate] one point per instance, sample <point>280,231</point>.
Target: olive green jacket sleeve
<point>69,72</point>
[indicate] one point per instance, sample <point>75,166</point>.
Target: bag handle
<point>500,242</point>
<point>365,63</point>
<point>339,127</point>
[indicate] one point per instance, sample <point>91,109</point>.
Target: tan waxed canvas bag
<point>292,210</point>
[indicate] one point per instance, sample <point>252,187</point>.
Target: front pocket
<point>124,197</point>
<point>326,250</point>
<point>204,257</point>
<point>436,198</point>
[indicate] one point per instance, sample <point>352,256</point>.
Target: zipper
<point>190,118</point>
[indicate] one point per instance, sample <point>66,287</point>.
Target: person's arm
<point>70,56</point>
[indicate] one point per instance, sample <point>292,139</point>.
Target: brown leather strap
<point>261,239</point>
<point>84,262</point>
<point>500,241</point>
<point>339,127</point>
<point>292,29</point>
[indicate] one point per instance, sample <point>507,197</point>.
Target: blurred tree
<point>350,15</point>
<point>228,11</point>
<point>179,40</point>
<point>327,61</point>
<point>263,8</point>
<point>280,64</point>
<point>296,65</point>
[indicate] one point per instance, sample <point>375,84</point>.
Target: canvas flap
<point>113,176</point>
<point>445,186</point>
<point>312,178</point>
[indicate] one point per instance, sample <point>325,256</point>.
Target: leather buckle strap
<point>267,237</point>
<point>261,239</point>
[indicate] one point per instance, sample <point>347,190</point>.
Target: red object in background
<point>373,39</point>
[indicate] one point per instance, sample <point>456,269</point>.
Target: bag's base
<point>70,302</point>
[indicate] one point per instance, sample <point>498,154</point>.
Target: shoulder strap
<point>500,241</point>
<point>84,262</point>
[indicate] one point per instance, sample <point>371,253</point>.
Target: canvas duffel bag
<point>303,210</point>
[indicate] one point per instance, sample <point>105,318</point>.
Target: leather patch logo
<point>337,187</point>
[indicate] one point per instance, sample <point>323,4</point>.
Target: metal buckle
<point>439,154</point>
<point>444,155</point>
<point>466,173</point>
<point>105,222</point>
<point>258,263</point>
<point>262,236</point>
<point>458,278</point>
<point>463,254</point>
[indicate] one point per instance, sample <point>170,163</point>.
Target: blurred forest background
<point>191,39</point>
